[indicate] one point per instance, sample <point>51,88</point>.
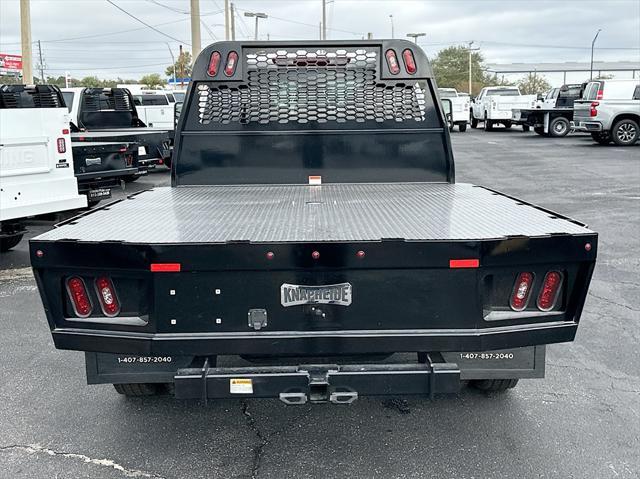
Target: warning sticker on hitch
<point>240,386</point>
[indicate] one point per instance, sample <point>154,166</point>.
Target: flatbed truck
<point>314,245</point>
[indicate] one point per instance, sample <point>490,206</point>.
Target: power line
<point>146,24</point>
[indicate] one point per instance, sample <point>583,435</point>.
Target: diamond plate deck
<point>302,213</point>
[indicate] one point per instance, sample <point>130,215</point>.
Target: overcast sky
<point>92,37</point>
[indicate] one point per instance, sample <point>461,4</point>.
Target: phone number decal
<point>144,359</point>
<point>486,356</point>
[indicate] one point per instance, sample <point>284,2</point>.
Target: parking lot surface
<point>581,421</point>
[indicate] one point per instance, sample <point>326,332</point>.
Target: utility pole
<point>415,36</point>
<point>226,19</point>
<point>41,64</point>
<point>181,64</point>
<point>232,21</point>
<point>257,17</point>
<point>195,29</point>
<point>324,20</point>
<point>320,29</point>
<point>369,36</point>
<point>25,33</point>
<point>471,50</point>
<point>173,61</point>
<point>391,18</point>
<point>593,43</point>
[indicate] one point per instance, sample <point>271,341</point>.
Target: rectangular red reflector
<point>165,267</point>
<point>464,263</point>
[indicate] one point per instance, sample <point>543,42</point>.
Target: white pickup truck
<point>459,107</point>
<point>494,105</point>
<point>155,108</point>
<point>36,163</point>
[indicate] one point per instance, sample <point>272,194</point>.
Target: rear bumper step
<point>319,383</point>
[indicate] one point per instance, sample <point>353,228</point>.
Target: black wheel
<point>493,385</point>
<point>625,132</point>
<point>462,127</point>
<point>9,242</point>
<point>131,178</point>
<point>601,137</point>
<point>488,124</point>
<point>559,127</point>
<point>138,389</point>
<point>526,128</point>
<point>539,130</point>
<point>474,122</point>
<point>507,124</point>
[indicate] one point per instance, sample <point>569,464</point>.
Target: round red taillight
<point>587,247</point>
<point>315,255</point>
<point>39,253</point>
<point>360,254</point>
<point>270,255</point>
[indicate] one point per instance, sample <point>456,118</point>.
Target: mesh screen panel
<point>305,86</point>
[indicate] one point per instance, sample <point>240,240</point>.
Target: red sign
<point>10,63</point>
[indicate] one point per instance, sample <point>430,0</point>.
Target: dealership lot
<point>583,420</point>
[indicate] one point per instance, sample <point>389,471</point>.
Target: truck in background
<point>610,111</point>
<point>459,107</point>
<point>155,109</point>
<point>494,105</point>
<point>110,115</point>
<point>553,115</point>
<point>36,165</point>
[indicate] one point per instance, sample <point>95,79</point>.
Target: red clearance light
<point>409,61</point>
<point>65,131</point>
<point>521,291</point>
<point>599,94</point>
<point>165,267</point>
<point>62,145</point>
<point>593,110</point>
<point>464,263</point>
<point>232,62</point>
<point>551,287</point>
<point>79,297</point>
<point>392,62</point>
<point>107,296</point>
<point>214,63</point>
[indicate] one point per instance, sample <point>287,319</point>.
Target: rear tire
<point>131,178</point>
<point>488,124</point>
<point>559,127</point>
<point>137,389</point>
<point>9,242</point>
<point>625,132</point>
<point>526,128</point>
<point>601,137</point>
<point>462,127</point>
<point>474,122</point>
<point>493,385</point>
<point>507,125</point>
<point>539,130</point>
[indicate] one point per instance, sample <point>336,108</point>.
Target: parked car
<point>316,240</point>
<point>110,115</point>
<point>459,107</point>
<point>494,106</point>
<point>610,111</point>
<point>553,115</point>
<point>36,165</point>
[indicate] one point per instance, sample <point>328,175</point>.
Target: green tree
<point>451,68</point>
<point>153,80</point>
<point>91,82</point>
<point>533,84</point>
<point>182,66</point>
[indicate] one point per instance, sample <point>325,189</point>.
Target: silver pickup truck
<point>610,111</point>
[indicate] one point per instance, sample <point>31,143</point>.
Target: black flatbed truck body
<point>100,166</point>
<point>284,236</point>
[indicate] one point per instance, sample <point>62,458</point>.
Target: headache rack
<point>31,96</point>
<point>279,113</point>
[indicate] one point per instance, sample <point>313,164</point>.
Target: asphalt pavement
<point>581,421</point>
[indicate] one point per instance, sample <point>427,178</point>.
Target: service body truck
<point>314,245</point>
<point>494,104</point>
<point>36,165</point>
<point>110,115</point>
<point>553,115</point>
<point>459,107</point>
<point>610,111</point>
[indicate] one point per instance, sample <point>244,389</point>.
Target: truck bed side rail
<point>358,111</point>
